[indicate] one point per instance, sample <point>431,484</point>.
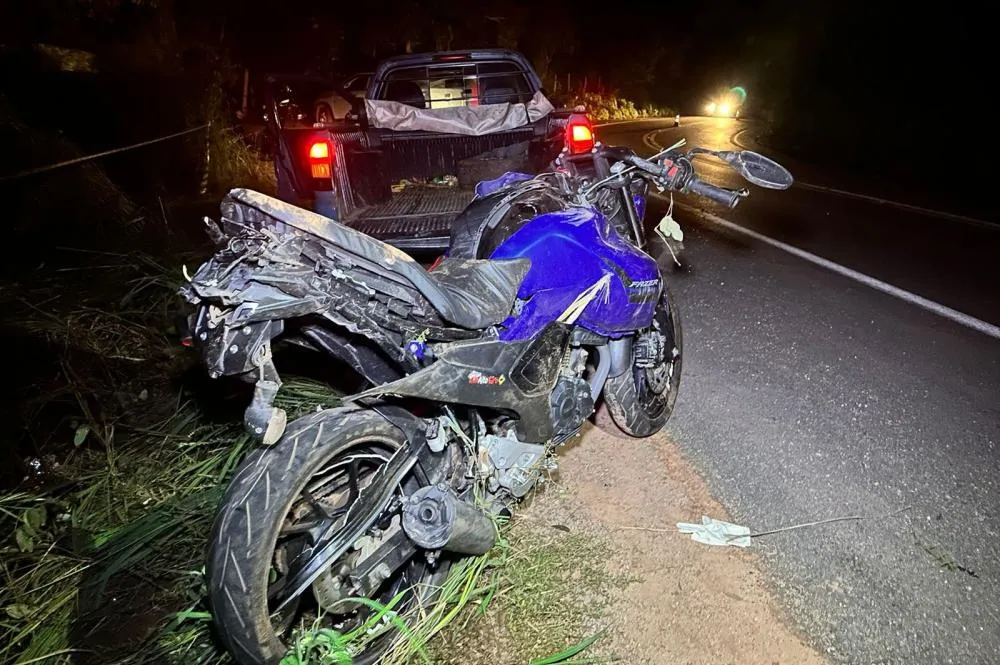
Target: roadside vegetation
<point>605,107</point>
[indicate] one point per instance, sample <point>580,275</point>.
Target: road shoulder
<point>690,603</point>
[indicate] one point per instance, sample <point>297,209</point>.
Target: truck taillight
<point>579,136</point>
<point>319,160</point>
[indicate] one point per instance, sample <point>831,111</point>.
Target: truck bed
<point>415,218</point>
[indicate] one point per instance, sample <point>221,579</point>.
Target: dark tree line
<point>811,69</point>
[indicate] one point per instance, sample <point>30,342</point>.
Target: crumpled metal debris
<point>716,532</point>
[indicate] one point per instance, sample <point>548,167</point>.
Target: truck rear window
<point>443,86</point>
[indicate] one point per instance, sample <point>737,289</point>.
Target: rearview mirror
<point>758,169</point>
<point>754,167</point>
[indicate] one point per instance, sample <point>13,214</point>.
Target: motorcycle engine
<point>571,403</point>
<point>571,399</point>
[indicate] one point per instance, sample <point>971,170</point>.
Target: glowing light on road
<point>710,107</point>
<point>724,109</point>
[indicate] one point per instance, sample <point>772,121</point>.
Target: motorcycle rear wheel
<point>264,503</point>
<point>640,401</point>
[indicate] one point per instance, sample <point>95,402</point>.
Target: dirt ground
<point>693,604</point>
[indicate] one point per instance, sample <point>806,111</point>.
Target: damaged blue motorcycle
<point>544,309</point>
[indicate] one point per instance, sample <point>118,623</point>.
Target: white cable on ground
<point>716,532</point>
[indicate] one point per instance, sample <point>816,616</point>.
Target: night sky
<point>678,50</point>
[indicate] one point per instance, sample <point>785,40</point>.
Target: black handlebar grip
<point>726,197</point>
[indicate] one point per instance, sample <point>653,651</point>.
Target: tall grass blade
<point>565,655</point>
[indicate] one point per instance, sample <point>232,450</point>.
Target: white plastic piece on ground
<point>467,120</point>
<point>716,532</point>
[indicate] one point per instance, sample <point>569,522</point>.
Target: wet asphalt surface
<point>808,396</point>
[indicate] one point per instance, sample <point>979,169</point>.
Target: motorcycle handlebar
<point>727,197</point>
<point>686,181</point>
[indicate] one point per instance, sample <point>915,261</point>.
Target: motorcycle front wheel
<point>639,401</point>
<point>277,503</point>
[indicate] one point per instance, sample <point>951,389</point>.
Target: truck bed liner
<point>418,217</point>
<point>417,201</point>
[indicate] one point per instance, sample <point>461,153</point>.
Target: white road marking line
<point>964,219</point>
<point>867,280</point>
<point>650,142</point>
<point>905,206</point>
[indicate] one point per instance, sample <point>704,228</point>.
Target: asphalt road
<point>807,395</point>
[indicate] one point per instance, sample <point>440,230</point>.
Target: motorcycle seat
<point>469,293</point>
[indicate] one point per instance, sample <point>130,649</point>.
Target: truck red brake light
<point>319,150</point>
<point>319,160</point>
<point>579,137</point>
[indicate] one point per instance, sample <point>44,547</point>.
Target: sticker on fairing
<point>477,378</point>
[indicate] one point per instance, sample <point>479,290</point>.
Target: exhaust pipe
<point>436,519</point>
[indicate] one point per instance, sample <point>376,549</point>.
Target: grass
<point>112,533</point>
<point>521,603</point>
<point>543,597</point>
<point>114,526</point>
<point>139,508</point>
<point>232,160</point>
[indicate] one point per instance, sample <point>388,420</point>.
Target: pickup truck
<point>405,162</point>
